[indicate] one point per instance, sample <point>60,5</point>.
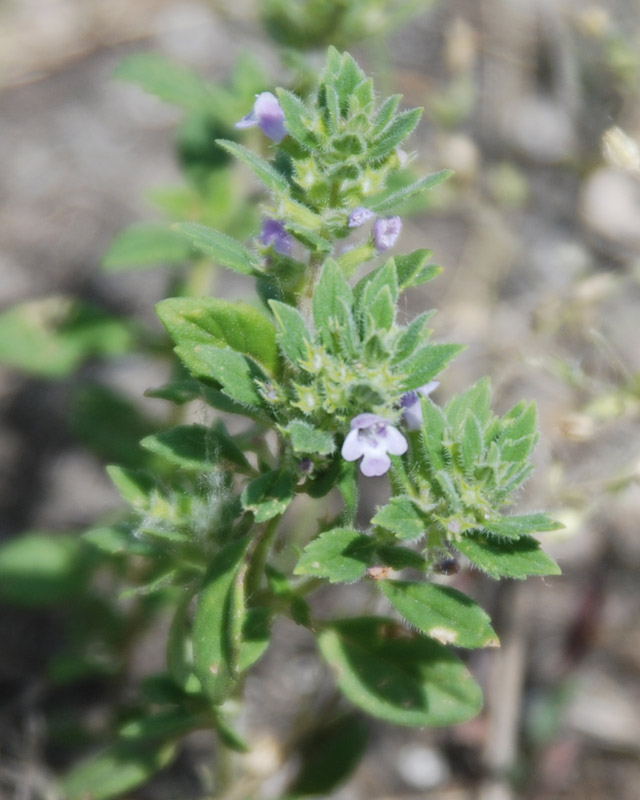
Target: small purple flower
<point>268,115</point>
<point>386,231</point>
<point>274,233</point>
<point>412,407</point>
<point>359,216</point>
<point>306,466</point>
<point>373,438</point>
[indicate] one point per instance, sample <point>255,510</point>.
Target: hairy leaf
<point>442,613</point>
<point>192,321</point>
<point>218,623</point>
<point>399,677</point>
<point>513,558</point>
<point>402,517</point>
<point>341,555</point>
<point>146,245</point>
<point>220,247</point>
<point>269,175</point>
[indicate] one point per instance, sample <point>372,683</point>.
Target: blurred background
<point>536,106</point>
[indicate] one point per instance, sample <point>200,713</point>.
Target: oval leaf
<point>441,613</point>
<point>399,677</point>
<point>191,321</point>
<point>341,555</point>
<point>216,628</point>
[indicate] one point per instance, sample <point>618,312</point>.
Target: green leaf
<point>217,625</point>
<point>514,527</point>
<point>398,677</point>
<point>476,400</point>
<point>171,724</point>
<point>192,321</point>
<point>309,238</point>
<point>307,439</point>
<point>122,425</point>
<point>414,269</point>
<point>178,392</point>
<point>427,363</point>
<point>51,337</point>
<point>517,451</point>
<point>39,569</point>
<point>395,133</point>
<point>472,441</point>
<point>364,96</point>
<point>146,245</point>
<point>398,557</point>
<point>390,203</point>
<point>170,82</point>
<point>412,337</point>
<point>196,447</point>
<point>507,558</point>
<point>347,78</point>
<point>520,422</point>
<point>382,310</point>
<point>329,754</point>
<point>449,489</point>
<point>272,179</point>
<point>433,431</point>
<point>341,555</point>
<point>402,517</point>
<point>116,540</point>
<point>134,486</point>
<point>220,247</point>
<point>269,495</point>
<point>256,637</point>
<point>380,295</point>
<point>333,109</point>
<point>331,300</point>
<point>234,372</point>
<point>297,118</point>
<point>385,114</point>
<point>116,770</point>
<point>292,336</point>
<point>441,613</point>
<point>183,391</point>
<point>373,282</point>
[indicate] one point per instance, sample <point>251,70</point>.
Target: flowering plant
<point>332,385</point>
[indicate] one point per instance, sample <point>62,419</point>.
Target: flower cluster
<point>268,115</point>
<point>386,230</point>
<point>373,438</point>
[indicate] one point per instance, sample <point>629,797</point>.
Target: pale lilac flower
<point>373,438</point>
<point>412,407</point>
<point>268,115</point>
<point>274,233</point>
<point>386,231</point>
<point>359,216</point>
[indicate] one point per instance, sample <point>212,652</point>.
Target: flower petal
<point>394,442</point>
<point>386,232</point>
<point>353,446</point>
<point>248,122</point>
<point>413,415</point>
<point>367,420</point>
<point>274,233</point>
<point>428,388</point>
<point>359,216</point>
<point>270,116</point>
<point>375,464</point>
